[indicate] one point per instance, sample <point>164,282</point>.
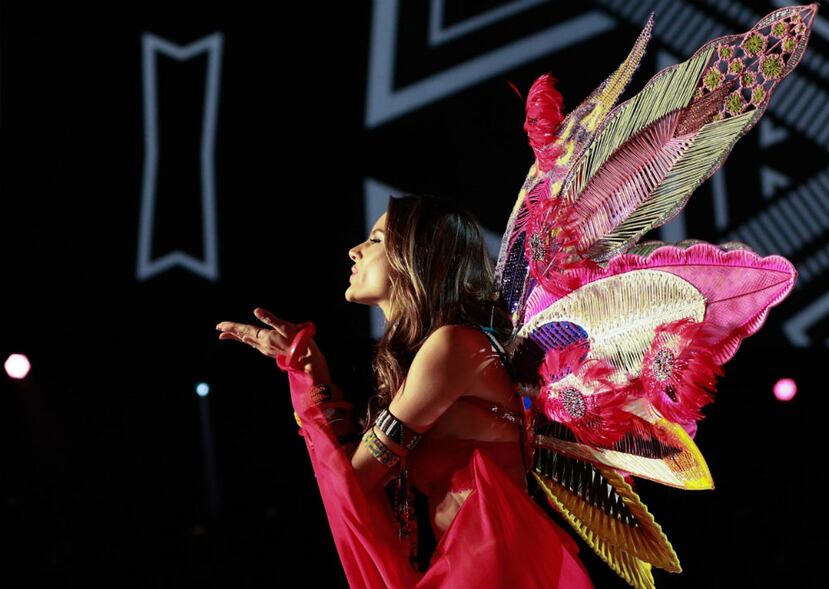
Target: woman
<point>445,419</point>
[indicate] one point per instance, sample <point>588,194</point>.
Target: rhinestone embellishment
<point>663,363</point>
<point>573,402</point>
<point>536,247</point>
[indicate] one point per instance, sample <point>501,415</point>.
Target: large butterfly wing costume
<point>617,344</point>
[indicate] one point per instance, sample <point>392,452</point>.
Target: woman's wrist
<point>319,374</point>
<point>323,392</point>
<point>336,410</point>
<point>314,364</point>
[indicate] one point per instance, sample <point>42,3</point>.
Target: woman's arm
<point>435,380</point>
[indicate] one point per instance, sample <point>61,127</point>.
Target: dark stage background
<point>280,131</point>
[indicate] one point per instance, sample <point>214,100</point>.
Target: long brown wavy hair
<point>441,274</point>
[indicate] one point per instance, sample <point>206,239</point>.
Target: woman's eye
<point>374,240</point>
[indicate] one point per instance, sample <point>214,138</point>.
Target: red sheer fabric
<point>499,538</point>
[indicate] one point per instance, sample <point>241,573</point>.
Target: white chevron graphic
<point>151,45</point>
<point>438,34</point>
<point>795,328</point>
<point>771,181</point>
<point>771,133</point>
<point>384,103</point>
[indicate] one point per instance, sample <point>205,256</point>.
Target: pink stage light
<point>785,389</point>
<point>17,366</point>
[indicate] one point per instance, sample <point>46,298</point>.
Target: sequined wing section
<point>529,352</point>
<point>579,127</point>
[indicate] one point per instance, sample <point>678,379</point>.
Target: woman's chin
<point>349,296</point>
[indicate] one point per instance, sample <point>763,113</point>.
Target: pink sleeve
<point>366,540</point>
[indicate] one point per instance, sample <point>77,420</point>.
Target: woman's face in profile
<point>370,273</point>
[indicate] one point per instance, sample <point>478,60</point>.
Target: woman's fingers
<point>238,329</point>
<point>254,343</point>
<point>268,341</point>
<point>238,338</point>
<point>271,320</point>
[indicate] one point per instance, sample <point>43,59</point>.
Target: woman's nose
<point>352,253</point>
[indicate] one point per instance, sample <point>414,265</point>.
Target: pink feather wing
<point>739,286</point>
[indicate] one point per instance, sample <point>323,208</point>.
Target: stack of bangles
<point>395,430</point>
<point>329,397</point>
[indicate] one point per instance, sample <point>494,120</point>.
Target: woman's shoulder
<point>455,344</point>
<point>459,334</point>
<point>439,365</point>
<point>466,345</point>
<point>447,344</point>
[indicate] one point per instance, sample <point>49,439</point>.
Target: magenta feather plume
<point>544,104</point>
<point>593,409</point>
<point>679,371</point>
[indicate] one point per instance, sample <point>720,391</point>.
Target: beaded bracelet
<point>329,395</point>
<point>338,405</point>
<point>378,449</point>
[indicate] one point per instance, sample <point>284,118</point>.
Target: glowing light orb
<point>17,366</point>
<point>202,389</point>
<point>785,389</point>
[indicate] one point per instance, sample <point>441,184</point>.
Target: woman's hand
<point>277,340</point>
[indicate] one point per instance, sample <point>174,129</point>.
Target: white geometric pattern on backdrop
<point>208,268</point>
<point>385,103</point>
